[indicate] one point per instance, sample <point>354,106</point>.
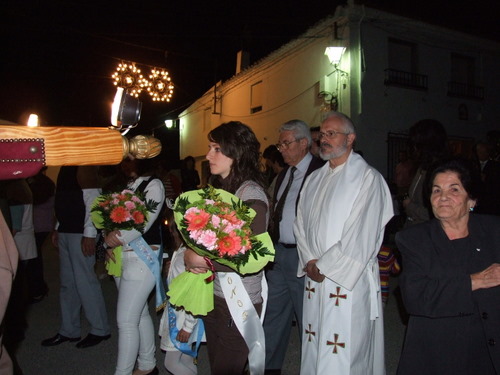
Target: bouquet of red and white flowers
<point>125,210</point>
<point>216,225</point>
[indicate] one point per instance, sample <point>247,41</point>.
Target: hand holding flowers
<point>195,263</point>
<point>112,239</point>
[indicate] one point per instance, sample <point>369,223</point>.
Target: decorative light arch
<point>158,84</point>
<point>128,76</point>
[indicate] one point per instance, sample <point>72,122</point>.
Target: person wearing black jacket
<point>76,190</point>
<point>450,282</point>
<point>285,288</point>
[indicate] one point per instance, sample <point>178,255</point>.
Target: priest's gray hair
<point>300,129</point>
<point>346,121</point>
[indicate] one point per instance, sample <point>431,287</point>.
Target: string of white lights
<point>158,84</point>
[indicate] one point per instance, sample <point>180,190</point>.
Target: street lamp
<point>334,54</point>
<point>125,111</point>
<point>169,123</point>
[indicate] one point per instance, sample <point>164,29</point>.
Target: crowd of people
<point>328,213</point>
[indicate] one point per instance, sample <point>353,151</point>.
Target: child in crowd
<point>181,333</point>
<point>388,265</point>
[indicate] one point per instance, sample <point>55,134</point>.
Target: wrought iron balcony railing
<point>405,79</point>
<point>464,90</point>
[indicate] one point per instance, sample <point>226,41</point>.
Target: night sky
<point>57,56</point>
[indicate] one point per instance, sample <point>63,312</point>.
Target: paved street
<point>44,317</point>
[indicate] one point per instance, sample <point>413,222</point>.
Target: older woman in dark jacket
<point>450,282</point>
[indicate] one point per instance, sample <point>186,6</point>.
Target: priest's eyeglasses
<point>284,145</point>
<point>330,134</point>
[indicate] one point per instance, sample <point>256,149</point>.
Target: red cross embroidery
<point>310,333</point>
<point>335,343</point>
<point>337,296</point>
<point>309,290</point>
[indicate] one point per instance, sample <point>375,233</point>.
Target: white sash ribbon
<point>246,318</point>
<point>151,259</point>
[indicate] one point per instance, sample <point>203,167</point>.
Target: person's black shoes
<point>39,298</point>
<point>272,372</point>
<point>58,339</point>
<point>154,371</point>
<point>91,340</point>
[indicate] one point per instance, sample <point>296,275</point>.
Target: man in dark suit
<point>285,288</point>
<point>76,190</point>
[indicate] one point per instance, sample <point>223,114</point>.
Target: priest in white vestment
<point>343,209</point>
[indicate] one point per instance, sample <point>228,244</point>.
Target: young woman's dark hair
<point>238,142</point>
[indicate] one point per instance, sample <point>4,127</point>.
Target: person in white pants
<point>136,339</point>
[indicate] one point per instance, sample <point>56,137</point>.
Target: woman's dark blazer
<point>436,289</point>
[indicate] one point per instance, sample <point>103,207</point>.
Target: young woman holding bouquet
<point>136,339</point>
<point>233,155</point>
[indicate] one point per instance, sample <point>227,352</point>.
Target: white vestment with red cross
<point>340,222</point>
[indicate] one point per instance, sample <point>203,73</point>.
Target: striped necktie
<point>278,210</point>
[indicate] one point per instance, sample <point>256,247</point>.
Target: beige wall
<point>294,75</point>
<point>292,79</point>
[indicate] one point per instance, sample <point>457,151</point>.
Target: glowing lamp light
<point>125,111</point>
<point>334,54</point>
<point>169,124</point>
<point>129,77</point>
<point>33,121</point>
<point>159,86</point>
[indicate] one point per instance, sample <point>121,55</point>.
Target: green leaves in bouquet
<point>244,212</point>
<point>101,212</point>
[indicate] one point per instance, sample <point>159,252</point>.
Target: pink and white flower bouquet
<point>124,210</point>
<point>216,225</point>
